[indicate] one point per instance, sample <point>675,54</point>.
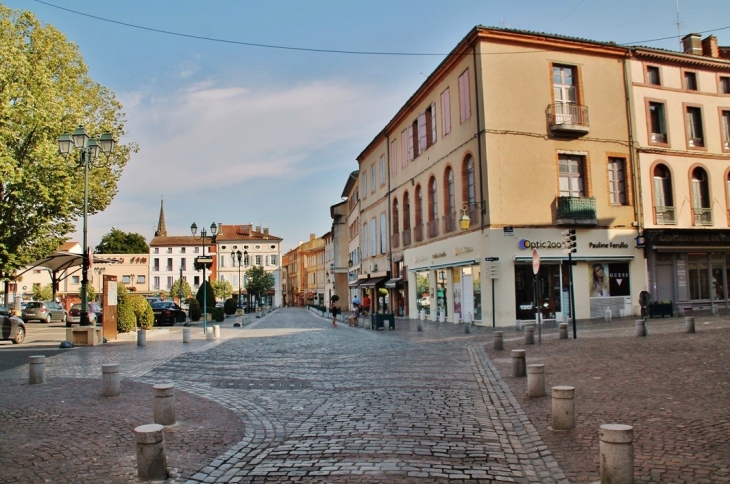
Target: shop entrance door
<point>550,291</point>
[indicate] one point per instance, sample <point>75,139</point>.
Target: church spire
<point>161,229</point>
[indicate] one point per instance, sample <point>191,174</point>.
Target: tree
<point>45,92</point>
<point>186,289</point>
<point>119,242</point>
<point>42,293</point>
<point>209,296</point>
<point>222,289</point>
<point>258,281</point>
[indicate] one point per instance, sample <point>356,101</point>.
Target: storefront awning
<point>393,283</point>
<point>357,282</point>
<point>372,282</point>
<point>558,258</point>
<point>469,262</point>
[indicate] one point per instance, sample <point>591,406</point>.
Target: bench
<point>85,335</point>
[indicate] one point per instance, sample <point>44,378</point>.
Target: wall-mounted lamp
<point>465,220</point>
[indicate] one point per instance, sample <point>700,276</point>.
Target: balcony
<point>568,118</point>
<point>664,215</point>
<point>395,240</point>
<point>406,237</point>
<point>702,217</point>
<point>433,228</point>
<point>576,211</point>
<point>449,221</point>
<point>418,233</point>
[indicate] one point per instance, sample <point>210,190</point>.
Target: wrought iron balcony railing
<point>568,117</point>
<point>577,210</point>
<point>664,215</point>
<point>702,217</point>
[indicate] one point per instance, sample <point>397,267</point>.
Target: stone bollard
<point>563,408</point>
<point>442,317</point>
<point>498,340</point>
<point>467,328</point>
<point>37,371</point>
<point>110,380</point>
<point>529,334</point>
<point>216,331</point>
<point>518,363</point>
<point>151,459</point>
<point>209,333</point>
<point>457,319</point>
<point>535,381</point>
<point>689,324</point>
<point>640,327</point>
<point>563,330</point>
<point>617,453</point>
<point>186,335</point>
<point>608,316</point>
<point>142,337</point>
<point>164,406</point>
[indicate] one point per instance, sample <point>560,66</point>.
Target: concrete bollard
<point>563,330</point>
<point>216,331</point>
<point>518,363</point>
<point>151,459</point>
<point>457,319</point>
<point>535,381</point>
<point>689,324</point>
<point>142,337</point>
<point>209,333</point>
<point>467,328</point>
<point>617,453</point>
<point>608,316</point>
<point>529,334</point>
<point>640,327</point>
<point>37,370</point>
<point>186,335</point>
<point>164,406</point>
<point>110,380</point>
<point>442,317</point>
<point>563,408</point>
<point>498,340</point>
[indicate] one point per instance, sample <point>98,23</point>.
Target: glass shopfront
<point>551,288</point>
<point>423,292</point>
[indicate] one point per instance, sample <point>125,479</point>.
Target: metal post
<point>205,291</point>
<point>84,318</point>
<point>539,310</point>
<point>572,294</point>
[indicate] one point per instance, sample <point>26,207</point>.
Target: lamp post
<point>89,149</point>
<point>237,255</point>
<point>203,261</point>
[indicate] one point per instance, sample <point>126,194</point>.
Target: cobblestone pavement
<point>288,398</point>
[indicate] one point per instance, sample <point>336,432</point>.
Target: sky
<point>256,112</point>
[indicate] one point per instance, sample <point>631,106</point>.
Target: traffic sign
<point>204,259</point>
<point>535,261</point>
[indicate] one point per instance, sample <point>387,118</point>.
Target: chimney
<point>258,228</point>
<point>312,237</point>
<point>709,47</point>
<point>220,227</point>
<point>266,231</point>
<point>691,44</point>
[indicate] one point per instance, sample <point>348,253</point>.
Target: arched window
<point>449,202</point>
<point>433,211</point>
<point>406,212</point>
<point>395,217</point>
<point>419,206</point>
<point>701,198</point>
<point>663,198</point>
<point>468,189</point>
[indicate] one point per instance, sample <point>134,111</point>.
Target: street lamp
<point>89,149</point>
<point>238,255</point>
<point>465,220</point>
<point>203,260</point>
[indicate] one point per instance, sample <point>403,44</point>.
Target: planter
<point>660,309</point>
<point>380,320</point>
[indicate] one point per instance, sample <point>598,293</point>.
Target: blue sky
<point>236,133</point>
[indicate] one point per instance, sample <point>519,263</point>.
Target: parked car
<point>168,313</point>
<point>44,311</point>
<point>424,302</point>
<point>74,315</point>
<point>153,299</point>
<point>11,327</point>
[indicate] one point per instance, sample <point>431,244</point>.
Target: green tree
<point>186,289</point>
<point>221,289</point>
<point>42,293</point>
<point>119,242</point>
<point>45,91</point>
<point>209,296</point>
<point>258,281</point>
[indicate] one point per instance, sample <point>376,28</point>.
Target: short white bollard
<point>563,330</point>
<point>216,331</point>
<point>529,334</point>
<point>689,324</point>
<point>442,317</point>
<point>37,371</point>
<point>164,406</point>
<point>563,408</point>
<point>608,316</point>
<point>209,333</point>
<point>457,318</point>
<point>110,380</point>
<point>535,381</point>
<point>617,453</point>
<point>498,340</point>
<point>186,335</point>
<point>142,337</point>
<point>151,459</point>
<point>518,363</point>
<point>434,316</point>
<point>640,327</point>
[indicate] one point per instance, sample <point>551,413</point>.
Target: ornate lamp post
<point>89,149</point>
<point>237,255</point>
<point>203,260</point>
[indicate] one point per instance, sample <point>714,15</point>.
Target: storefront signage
<point>463,250</point>
<point>438,255</point>
<point>419,258</point>
<point>525,244</point>
<point>609,245</point>
<point>687,237</point>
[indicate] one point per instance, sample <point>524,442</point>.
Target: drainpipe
<point>479,138</point>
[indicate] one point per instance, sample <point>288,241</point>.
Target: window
<point>364,185</point>
<point>372,177</point>
<point>464,97</point>
<point>274,260</point>
<point>373,237</point>
<point>169,282</point>
<point>419,206</point>
<point>663,197</point>
<point>382,170</point>
<point>690,80</point>
<point>395,216</point>
<point>414,134</point>
<point>445,113</point>
<point>449,206</point>
<point>409,143</point>
<point>393,157</point>
<point>701,198</point>
<point>430,128</point>
<point>617,180</point>
<point>657,123</point>
<point>571,171</point>
<point>196,281</point>
<point>470,193</point>
<point>652,75</point>
<point>169,250</point>
<point>383,234</point>
<point>565,94</point>
<point>406,212</point>
<point>156,282</point>
<point>156,250</point>
<point>183,264</point>
<point>724,85</point>
<point>75,280</point>
<point>725,127</point>
<point>365,247</point>
<point>223,260</point>
<point>196,250</point>
<point>695,133</point>
<point>246,260</point>
<point>126,279</point>
<point>182,250</point>
<point>433,211</point>
<point>404,148</point>
<point>168,267</point>
<point>140,279</point>
<point>257,259</point>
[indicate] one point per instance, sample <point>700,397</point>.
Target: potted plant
<point>660,308</point>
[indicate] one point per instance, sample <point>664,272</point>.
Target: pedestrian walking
<point>335,310</point>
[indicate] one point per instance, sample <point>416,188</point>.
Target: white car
<point>424,302</point>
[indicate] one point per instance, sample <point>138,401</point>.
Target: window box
<point>663,308</point>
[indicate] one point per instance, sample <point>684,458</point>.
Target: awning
<point>372,282</point>
<point>469,262</point>
<point>357,282</point>
<point>395,282</point>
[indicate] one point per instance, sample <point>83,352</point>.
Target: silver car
<point>44,311</point>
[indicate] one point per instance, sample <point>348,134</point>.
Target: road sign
<point>535,261</point>
<point>204,259</point>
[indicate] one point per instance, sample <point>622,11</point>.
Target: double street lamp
<point>89,149</point>
<point>203,261</point>
<point>237,255</point>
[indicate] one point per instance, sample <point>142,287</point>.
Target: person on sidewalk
<point>335,310</point>
<point>365,304</point>
<point>355,301</point>
<point>354,315</point>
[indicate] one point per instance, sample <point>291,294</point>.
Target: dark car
<point>168,313</point>
<point>11,327</point>
<point>74,315</point>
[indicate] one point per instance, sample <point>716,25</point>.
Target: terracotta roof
<point>228,233</point>
<point>179,240</point>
